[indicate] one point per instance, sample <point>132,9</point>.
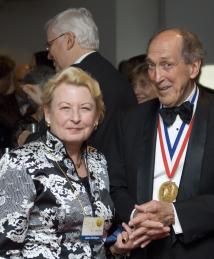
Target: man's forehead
<point>165,46</point>
<point>167,34</point>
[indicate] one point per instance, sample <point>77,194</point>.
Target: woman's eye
<point>86,108</point>
<point>64,108</point>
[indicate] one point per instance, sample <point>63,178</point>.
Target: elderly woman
<point>54,199</point>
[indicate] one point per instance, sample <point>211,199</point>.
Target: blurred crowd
<point>20,93</point>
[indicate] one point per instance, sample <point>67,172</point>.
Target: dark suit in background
<point>116,91</point>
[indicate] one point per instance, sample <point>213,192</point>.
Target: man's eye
<point>151,66</point>
<point>166,65</point>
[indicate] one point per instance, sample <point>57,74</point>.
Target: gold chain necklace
<point>72,188</point>
<point>78,165</point>
<point>68,180</point>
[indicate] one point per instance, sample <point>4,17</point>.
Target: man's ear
<point>70,40</point>
<point>195,69</point>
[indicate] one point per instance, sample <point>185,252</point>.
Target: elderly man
<point>161,169</point>
<point>72,39</point>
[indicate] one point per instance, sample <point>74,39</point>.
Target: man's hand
<point>160,211</point>
<point>151,221</point>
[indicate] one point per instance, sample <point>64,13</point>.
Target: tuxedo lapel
<point>194,157</point>
<point>146,155</point>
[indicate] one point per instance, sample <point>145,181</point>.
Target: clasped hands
<point>151,221</point>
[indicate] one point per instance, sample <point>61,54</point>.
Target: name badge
<point>92,228</point>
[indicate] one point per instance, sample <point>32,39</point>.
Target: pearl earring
<point>95,125</point>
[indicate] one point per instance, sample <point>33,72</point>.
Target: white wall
<point>196,16</point>
<point>136,21</point>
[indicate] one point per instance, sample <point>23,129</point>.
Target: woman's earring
<point>95,125</point>
<point>48,124</point>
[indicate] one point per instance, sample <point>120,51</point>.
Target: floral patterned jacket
<point>41,215</point>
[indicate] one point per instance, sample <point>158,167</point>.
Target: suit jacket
<point>116,91</point>
<point>131,164</point>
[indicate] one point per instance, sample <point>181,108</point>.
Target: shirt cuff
<point>177,226</point>
<point>132,214</point>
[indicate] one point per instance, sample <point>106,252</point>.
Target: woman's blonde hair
<point>78,77</point>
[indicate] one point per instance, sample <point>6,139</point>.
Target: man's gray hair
<point>192,48</point>
<point>80,22</point>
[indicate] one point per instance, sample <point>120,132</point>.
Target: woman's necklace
<point>78,164</point>
<point>72,188</point>
<point>68,180</point>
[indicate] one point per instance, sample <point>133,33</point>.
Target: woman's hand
<point>123,245</point>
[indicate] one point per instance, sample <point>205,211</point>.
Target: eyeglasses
<point>50,43</point>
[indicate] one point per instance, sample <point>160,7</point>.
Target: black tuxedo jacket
<point>117,95</point>
<point>131,164</point>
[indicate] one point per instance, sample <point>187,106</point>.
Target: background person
<point>32,85</point>
<point>72,39</point>
<point>136,71</point>
<point>9,108</point>
<point>40,58</point>
<point>20,72</point>
<point>139,79</point>
<point>125,67</point>
<point>141,83</point>
<point>163,156</point>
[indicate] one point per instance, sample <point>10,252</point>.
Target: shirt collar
<point>56,147</point>
<point>83,56</point>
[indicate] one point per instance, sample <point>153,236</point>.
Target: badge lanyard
<point>93,227</point>
<point>72,188</point>
<point>68,180</point>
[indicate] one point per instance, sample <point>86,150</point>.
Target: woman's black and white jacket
<point>41,216</point>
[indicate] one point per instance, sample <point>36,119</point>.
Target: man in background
<point>72,39</point>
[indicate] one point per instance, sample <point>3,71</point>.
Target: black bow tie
<point>184,111</point>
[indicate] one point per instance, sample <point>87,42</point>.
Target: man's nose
<point>156,75</point>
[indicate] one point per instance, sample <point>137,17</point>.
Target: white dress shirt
<point>160,175</point>
<point>83,56</point>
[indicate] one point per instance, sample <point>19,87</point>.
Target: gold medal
<point>168,191</point>
<point>99,222</point>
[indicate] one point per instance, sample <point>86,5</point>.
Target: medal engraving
<point>168,191</point>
